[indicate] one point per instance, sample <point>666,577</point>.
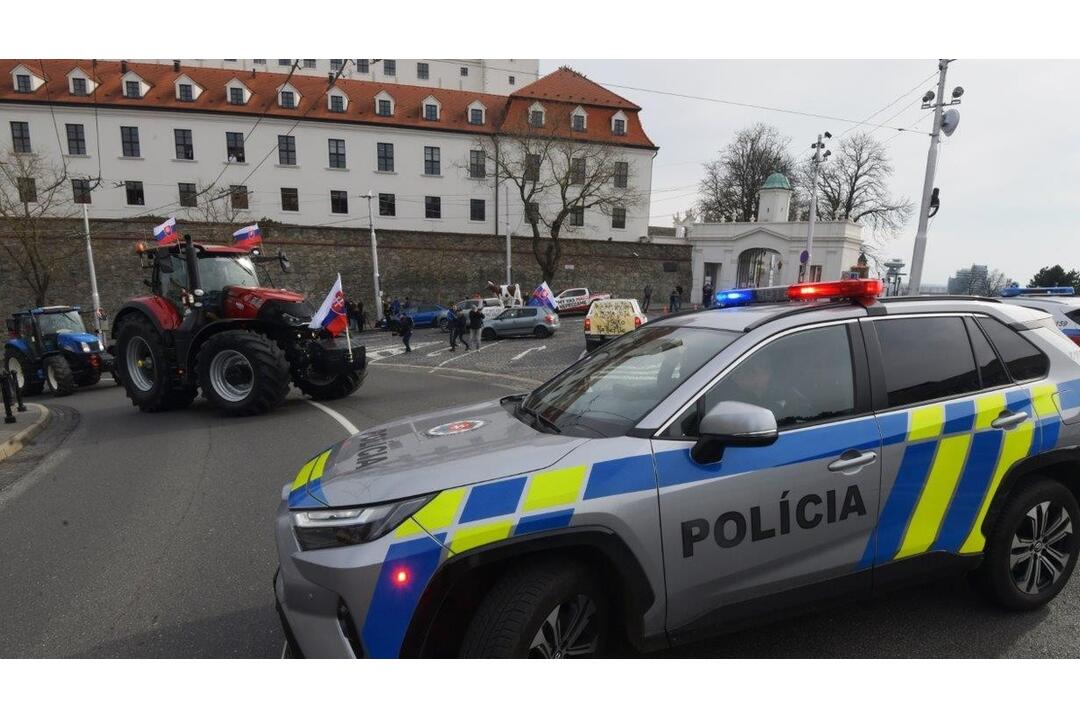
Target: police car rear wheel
<point>1032,549</point>
<point>550,609</point>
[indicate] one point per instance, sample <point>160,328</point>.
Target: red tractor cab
<point>208,324</point>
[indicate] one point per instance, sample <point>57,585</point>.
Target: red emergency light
<point>862,289</point>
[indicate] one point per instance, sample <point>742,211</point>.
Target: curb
<point>15,444</point>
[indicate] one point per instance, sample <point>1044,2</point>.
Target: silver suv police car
<point>700,470</point>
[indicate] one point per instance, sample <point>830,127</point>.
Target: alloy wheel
<point>1041,547</point>
<point>570,630</point>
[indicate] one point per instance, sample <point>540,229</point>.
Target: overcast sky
<point>1008,176</point>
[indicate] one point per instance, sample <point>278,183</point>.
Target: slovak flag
<point>543,297</point>
<point>248,237</point>
<point>165,233</point>
<point>331,315</point>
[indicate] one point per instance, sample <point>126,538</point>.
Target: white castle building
<point>180,138</point>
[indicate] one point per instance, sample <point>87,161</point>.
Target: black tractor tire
<point>30,385</point>
<point>88,378</point>
<point>265,380</point>
<point>518,606</point>
<point>488,334</point>
<point>333,389</point>
<point>1055,560</point>
<point>58,376</point>
<point>159,396</point>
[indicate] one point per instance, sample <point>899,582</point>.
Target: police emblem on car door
<point>753,505</point>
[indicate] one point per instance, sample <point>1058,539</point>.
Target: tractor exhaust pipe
<point>192,261</point>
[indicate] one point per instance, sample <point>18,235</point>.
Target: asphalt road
<point>134,535</point>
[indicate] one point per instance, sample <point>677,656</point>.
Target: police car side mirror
<point>734,424</point>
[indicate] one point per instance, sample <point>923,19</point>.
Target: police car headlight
<point>316,529</point>
<point>85,347</point>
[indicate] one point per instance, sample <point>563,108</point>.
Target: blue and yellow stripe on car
<point>306,490</point>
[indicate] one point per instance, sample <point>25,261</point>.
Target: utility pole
<point>919,251</point>
<point>808,253</point>
<point>374,257</point>
<point>96,299</point>
<point>506,189</point>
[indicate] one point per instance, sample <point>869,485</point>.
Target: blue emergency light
<point>1017,291</point>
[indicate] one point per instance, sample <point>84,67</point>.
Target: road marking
<point>342,420</point>
<point>466,353</point>
<point>523,354</point>
<point>522,381</point>
<point>394,350</point>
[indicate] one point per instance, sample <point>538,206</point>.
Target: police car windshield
<point>218,272</point>
<point>60,322</point>
<point>609,391</point>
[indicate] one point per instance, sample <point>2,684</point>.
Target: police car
<point>699,471</point>
<point>1060,302</point>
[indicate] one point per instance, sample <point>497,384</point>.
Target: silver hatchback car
<point>704,469</point>
<point>528,320</point>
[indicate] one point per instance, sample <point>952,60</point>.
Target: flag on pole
<point>248,237</point>
<point>331,315</point>
<point>543,297</point>
<point>165,233</point>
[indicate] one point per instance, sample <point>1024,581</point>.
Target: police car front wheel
<point>1032,548</point>
<point>550,609</point>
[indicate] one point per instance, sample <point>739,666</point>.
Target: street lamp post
<point>95,298</point>
<point>374,258</point>
<point>818,159</point>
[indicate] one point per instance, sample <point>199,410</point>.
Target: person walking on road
<point>461,322</point>
<point>476,324</point>
<point>405,325</point>
<point>707,295</point>
<point>452,326</point>
<point>673,301</point>
<point>360,318</point>
<point>646,298</point>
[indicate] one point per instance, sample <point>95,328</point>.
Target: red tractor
<point>208,325</point>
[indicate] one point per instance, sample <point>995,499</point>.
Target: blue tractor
<point>50,348</point>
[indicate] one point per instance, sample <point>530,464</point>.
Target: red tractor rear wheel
<point>143,368</point>
<point>242,372</point>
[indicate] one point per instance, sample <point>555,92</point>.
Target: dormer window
<point>25,80</point>
<point>577,120</point>
<point>79,83</point>
<point>431,108</point>
<point>236,96</point>
<point>618,124</point>
<point>23,84</point>
<point>131,89</point>
<point>337,103</point>
<point>536,115</point>
<point>288,99</point>
<point>384,104</point>
<point>78,86</point>
<point>477,113</point>
<point>184,92</point>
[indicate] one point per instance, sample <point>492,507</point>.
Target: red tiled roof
<point>312,103</point>
<point>570,86</point>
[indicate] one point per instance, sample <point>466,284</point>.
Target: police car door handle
<point>852,459</point>
<point>1007,420</point>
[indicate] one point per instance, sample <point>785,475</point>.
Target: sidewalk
<point>26,427</point>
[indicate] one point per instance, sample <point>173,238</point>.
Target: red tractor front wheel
<point>242,372</point>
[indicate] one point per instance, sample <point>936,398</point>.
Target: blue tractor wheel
<point>26,373</point>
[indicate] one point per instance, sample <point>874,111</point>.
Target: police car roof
<point>744,318</point>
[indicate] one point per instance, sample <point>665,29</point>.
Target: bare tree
<point>729,189</point>
<point>556,177</point>
<point>33,196</point>
<point>217,204</point>
<point>854,185</point>
<point>996,281</point>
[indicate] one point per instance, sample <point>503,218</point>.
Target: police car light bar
<point>1016,291</point>
<point>852,289</point>
<point>862,289</point>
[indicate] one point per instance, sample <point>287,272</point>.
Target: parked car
<point>608,319</point>
<point>574,300</point>
<point>529,320</point>
<point>1060,302</point>
<point>422,314</point>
